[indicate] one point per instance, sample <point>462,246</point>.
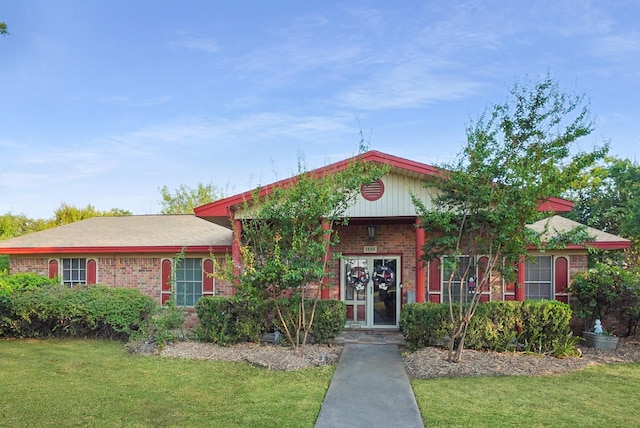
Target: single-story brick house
<point>381,247</point>
<point>127,251</point>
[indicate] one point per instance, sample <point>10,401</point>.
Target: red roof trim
<point>119,250</point>
<point>612,245</point>
<point>223,207</point>
<point>556,205</point>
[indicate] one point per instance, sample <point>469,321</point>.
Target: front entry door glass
<point>371,291</point>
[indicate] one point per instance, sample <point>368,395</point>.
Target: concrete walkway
<point>370,388</point>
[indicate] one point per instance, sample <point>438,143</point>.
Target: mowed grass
<point>97,383</point>
<point>599,396</point>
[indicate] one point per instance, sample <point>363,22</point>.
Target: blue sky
<point>104,102</point>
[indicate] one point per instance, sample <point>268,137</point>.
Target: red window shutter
<point>166,280</point>
<point>207,280</point>
<point>91,271</point>
<point>53,269</point>
<point>434,275</point>
<point>561,278</point>
<point>482,266</point>
<point>434,281</point>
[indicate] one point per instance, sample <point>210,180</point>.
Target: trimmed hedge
<point>10,284</point>
<point>534,325</point>
<point>82,311</point>
<point>227,320</point>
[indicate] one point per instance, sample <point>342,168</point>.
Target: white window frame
<point>75,271</point>
<point>455,284</point>
<point>188,281</point>
<point>534,278</point>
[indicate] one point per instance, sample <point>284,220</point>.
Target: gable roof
<point>126,234</point>
<point>601,240</point>
<point>224,207</point>
<point>221,209</point>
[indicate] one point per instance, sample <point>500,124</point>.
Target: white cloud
<point>202,44</point>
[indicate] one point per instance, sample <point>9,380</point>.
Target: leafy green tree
<point>184,199</point>
<point>517,154</point>
<point>12,225</point>
<point>66,213</point>
<point>607,197</point>
<point>285,237</point>
<point>3,28</point>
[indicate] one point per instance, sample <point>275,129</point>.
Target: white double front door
<point>370,287</point>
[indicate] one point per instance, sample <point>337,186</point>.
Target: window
<point>458,294</point>
<point>74,271</point>
<point>188,282</point>
<point>538,281</point>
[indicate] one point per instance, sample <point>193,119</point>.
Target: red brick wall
<point>577,264</point>
<point>141,271</point>
<point>391,240</point>
<point>37,265</point>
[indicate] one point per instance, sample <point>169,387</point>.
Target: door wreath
<point>383,277</point>
<point>358,278</point>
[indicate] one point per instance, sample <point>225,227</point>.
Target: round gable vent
<point>373,191</point>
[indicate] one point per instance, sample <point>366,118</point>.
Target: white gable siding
<point>396,200</point>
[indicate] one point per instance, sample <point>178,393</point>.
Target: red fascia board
<point>119,250</point>
<point>223,207</point>
<point>555,205</point>
<point>613,245</point>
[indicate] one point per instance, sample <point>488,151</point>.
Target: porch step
<point>370,337</point>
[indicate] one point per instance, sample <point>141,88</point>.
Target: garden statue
<point>597,329</point>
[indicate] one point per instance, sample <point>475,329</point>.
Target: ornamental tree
<point>286,230</point>
<point>517,154</point>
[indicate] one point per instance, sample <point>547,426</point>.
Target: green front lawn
<point>600,396</point>
<point>96,383</point>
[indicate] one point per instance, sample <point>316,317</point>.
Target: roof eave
<point>555,205</point>
<point>609,245</point>
<point>117,249</point>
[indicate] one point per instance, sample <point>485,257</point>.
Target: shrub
<point>94,311</point>
<point>546,322</point>
<point>541,325</point>
<point>329,321</point>
<point>226,320</point>
<point>631,307</point>
<point>425,324</point>
<point>22,281</point>
<point>602,290</point>
<point>165,321</point>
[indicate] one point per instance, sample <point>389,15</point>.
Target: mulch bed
<point>422,364</point>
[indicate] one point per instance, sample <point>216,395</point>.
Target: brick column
<point>235,250</point>
<point>324,290</point>
<point>420,271</point>
<point>520,282</point>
